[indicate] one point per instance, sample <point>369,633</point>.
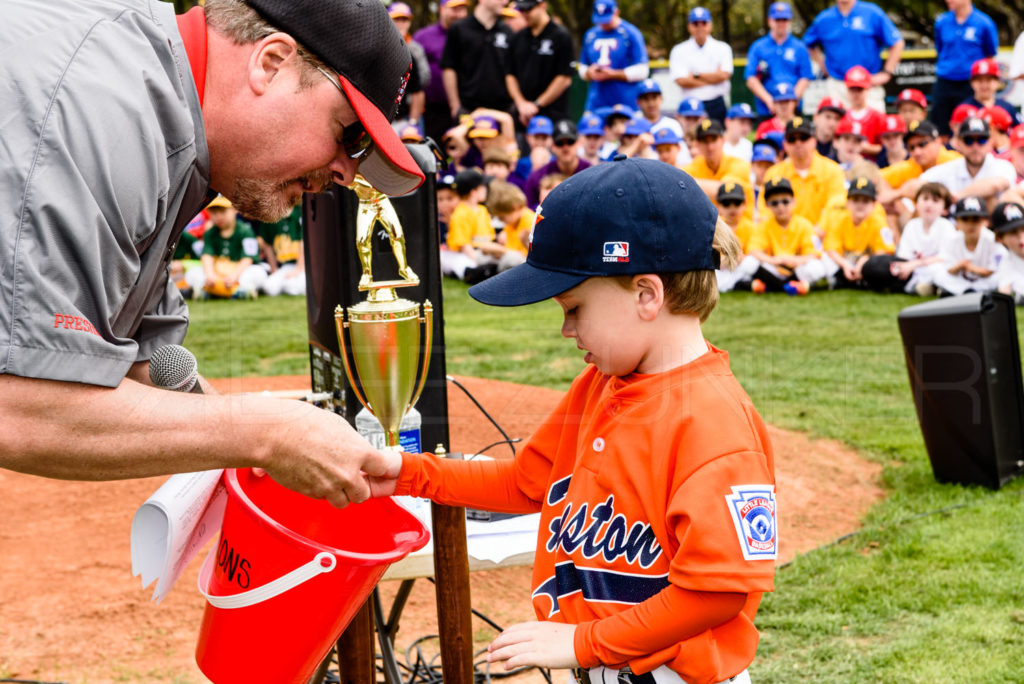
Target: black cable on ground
<point>508,440</point>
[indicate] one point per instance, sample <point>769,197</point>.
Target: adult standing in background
<point>540,65</point>
<point>963,35</point>
<point>702,65</point>
<point>474,62</point>
<point>613,58</point>
<point>437,116</point>
<point>777,57</point>
<point>126,117</point>
<point>850,33</point>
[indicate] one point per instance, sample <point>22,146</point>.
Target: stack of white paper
<point>172,526</point>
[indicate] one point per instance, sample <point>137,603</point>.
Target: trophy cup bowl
<point>384,338</point>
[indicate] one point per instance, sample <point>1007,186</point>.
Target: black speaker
<point>332,278</point>
<point>964,363</point>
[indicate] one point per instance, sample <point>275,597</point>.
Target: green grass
<point>932,590</point>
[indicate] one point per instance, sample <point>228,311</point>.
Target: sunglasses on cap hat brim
<point>383,158</point>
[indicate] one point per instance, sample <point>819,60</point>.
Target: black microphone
<point>174,368</point>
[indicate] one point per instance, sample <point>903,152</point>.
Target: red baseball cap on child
<point>997,117</point>
<point>985,67</point>
<point>857,77</point>
<point>912,95</point>
<point>833,104</point>
<point>894,123</point>
<point>1017,136</point>
<point>960,113</point>
<point>848,126</point>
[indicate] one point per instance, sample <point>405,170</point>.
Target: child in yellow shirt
<point>471,251</point>
<point>783,244</point>
<point>853,234</point>
<point>507,203</point>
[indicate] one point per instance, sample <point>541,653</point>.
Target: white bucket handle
<point>323,562</point>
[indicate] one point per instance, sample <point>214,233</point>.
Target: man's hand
<point>596,72</point>
<point>325,458</point>
<point>527,110</point>
<point>539,644</point>
<point>880,79</point>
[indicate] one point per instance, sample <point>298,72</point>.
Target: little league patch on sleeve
<point>753,513</point>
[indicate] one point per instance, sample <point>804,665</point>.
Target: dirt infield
<point>70,611</point>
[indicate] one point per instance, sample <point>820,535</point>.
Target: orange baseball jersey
<point>796,239</point>
<point>469,224</point>
<point>648,486</point>
<point>870,236</point>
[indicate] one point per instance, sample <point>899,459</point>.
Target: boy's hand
<point>384,485</point>
<point>540,644</point>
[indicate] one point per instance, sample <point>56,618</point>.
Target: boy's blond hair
<point>504,198</point>
<point>549,181</point>
<point>696,292</point>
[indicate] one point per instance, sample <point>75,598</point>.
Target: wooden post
<point>356,660</point>
<point>451,577</point>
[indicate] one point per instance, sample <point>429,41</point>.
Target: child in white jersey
<point>971,256</point>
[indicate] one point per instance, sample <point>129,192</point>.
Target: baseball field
<point>927,586</point>
<point>931,589</point>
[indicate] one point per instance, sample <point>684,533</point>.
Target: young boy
<point>783,245</point>
<point>739,121</point>
<point>507,203</point>
<point>227,267</point>
<point>971,255</point>
<point>1008,225</point>
<point>667,144</point>
<point>922,238</point>
<point>473,254</point>
<point>858,83</point>
<point>853,234</point>
<point>654,477</point>
<point>731,200</point>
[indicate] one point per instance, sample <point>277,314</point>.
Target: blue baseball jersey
<point>961,45</point>
<point>619,48</point>
<point>857,38</point>
<point>774,63</point>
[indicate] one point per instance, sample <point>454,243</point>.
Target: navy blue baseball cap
<point>625,217</point>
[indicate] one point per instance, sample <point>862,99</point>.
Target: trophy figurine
<point>384,330</point>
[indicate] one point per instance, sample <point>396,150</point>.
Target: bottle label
<point>408,440</point>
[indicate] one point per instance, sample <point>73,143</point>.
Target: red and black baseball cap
<point>358,40</point>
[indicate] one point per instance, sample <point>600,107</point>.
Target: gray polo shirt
<point>103,161</point>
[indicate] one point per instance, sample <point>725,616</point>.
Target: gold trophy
<point>384,330</point>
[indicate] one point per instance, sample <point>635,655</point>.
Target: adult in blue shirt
<point>613,58</point>
<point>854,33</point>
<point>963,35</point>
<point>776,58</point>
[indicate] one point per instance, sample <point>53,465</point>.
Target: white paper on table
<point>173,524</point>
<point>498,540</point>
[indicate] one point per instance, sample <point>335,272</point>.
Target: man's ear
<point>268,59</point>
<point>649,292</point>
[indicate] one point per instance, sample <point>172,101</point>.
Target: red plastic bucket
<point>287,576</point>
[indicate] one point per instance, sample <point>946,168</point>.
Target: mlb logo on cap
<point>616,252</point>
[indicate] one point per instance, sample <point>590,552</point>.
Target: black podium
<point>963,358</point>
<point>332,276</point>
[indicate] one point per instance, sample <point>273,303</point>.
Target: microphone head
<point>174,368</point>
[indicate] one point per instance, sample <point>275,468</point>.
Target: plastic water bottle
<point>408,440</point>
<point>408,431</point>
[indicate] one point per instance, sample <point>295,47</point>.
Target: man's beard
<point>262,200</point>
